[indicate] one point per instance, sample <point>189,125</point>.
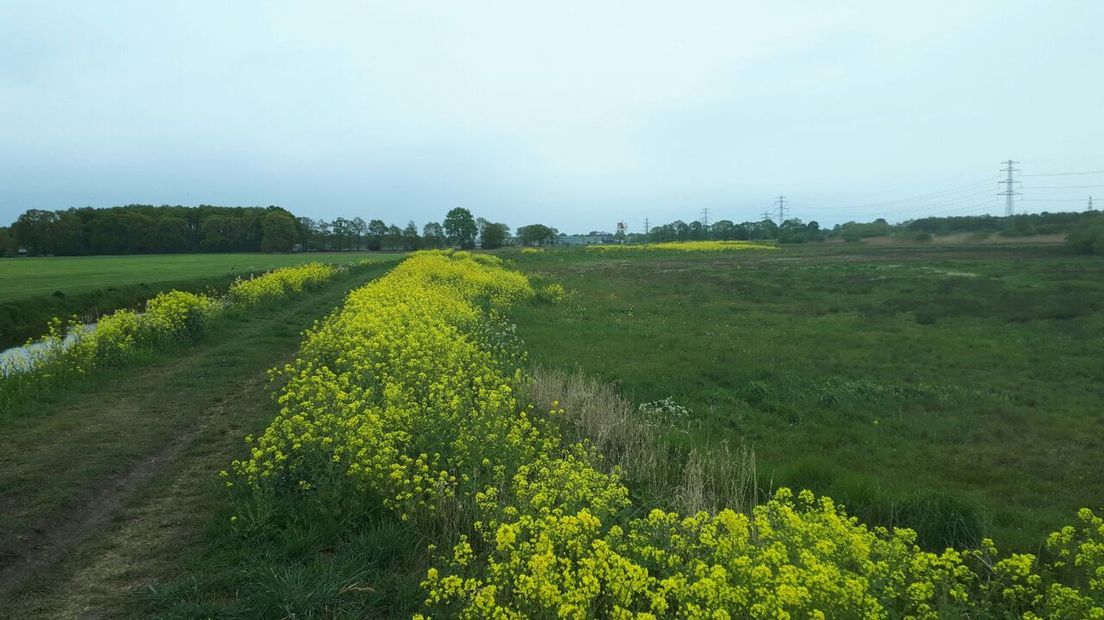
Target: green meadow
<point>956,390</point>
<point>27,277</point>
<point>34,290</point>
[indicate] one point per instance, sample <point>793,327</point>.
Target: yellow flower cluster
<point>407,398</point>
<point>171,316</point>
<point>683,246</point>
<point>407,393</point>
<point>279,283</point>
<point>793,557</point>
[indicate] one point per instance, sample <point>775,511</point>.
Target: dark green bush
<point>1087,240</point>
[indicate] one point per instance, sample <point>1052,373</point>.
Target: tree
<point>494,235</point>
<point>308,233</point>
<point>278,232</point>
<point>723,230</point>
<point>359,227</point>
<point>433,235</point>
<point>342,232</point>
<point>394,238</point>
<point>410,237</point>
<point>460,228</point>
<point>697,231</point>
<point>170,234</point>
<point>536,234</point>
<point>7,244</point>
<point>324,229</point>
<point>377,230</point>
<point>34,231</point>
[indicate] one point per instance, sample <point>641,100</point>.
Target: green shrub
<point>1087,240</point>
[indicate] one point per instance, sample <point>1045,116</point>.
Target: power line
<point>941,202</point>
<point>705,217</point>
<point>951,190</point>
<point>1063,186</point>
<point>1063,174</point>
<point>1051,199</point>
<point>1009,192</point>
<point>781,209</point>
<point>963,210</point>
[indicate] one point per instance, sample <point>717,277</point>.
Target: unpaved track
<point>62,531</point>
<point>165,407</point>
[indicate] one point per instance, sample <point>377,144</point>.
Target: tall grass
<point>653,455</point>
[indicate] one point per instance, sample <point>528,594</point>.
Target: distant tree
<point>170,233</point>
<point>278,232</point>
<point>536,234</point>
<point>410,238</point>
<point>34,231</point>
<point>308,233</point>
<point>493,235</point>
<point>220,234</point>
<point>377,230</point>
<point>7,243</point>
<point>394,238</point>
<point>359,227</point>
<point>460,228</point>
<point>697,231</point>
<point>765,229</point>
<point>722,230</point>
<point>69,232</point>
<point>680,230</point>
<point>433,235</point>
<point>342,233</point>
<point>324,233</point>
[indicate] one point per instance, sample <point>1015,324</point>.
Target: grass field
<point>34,290</point>
<point>958,390</point>
<point>28,277</point>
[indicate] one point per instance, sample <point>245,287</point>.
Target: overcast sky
<point>574,114</point>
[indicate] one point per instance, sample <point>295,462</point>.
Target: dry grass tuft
<point>648,452</point>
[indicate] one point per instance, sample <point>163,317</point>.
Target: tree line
<point>459,229</point>
<point>790,231</point>
<point>148,229</point>
<point>795,231</point>
<point>1021,225</point>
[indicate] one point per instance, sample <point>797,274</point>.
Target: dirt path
<point>87,460</point>
<point>65,528</point>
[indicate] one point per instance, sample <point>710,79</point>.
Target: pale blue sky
<point>575,114</point>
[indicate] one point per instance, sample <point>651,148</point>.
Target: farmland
<point>33,290</point>
<point>953,390</point>
<point>79,274</point>
<point>910,382</point>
